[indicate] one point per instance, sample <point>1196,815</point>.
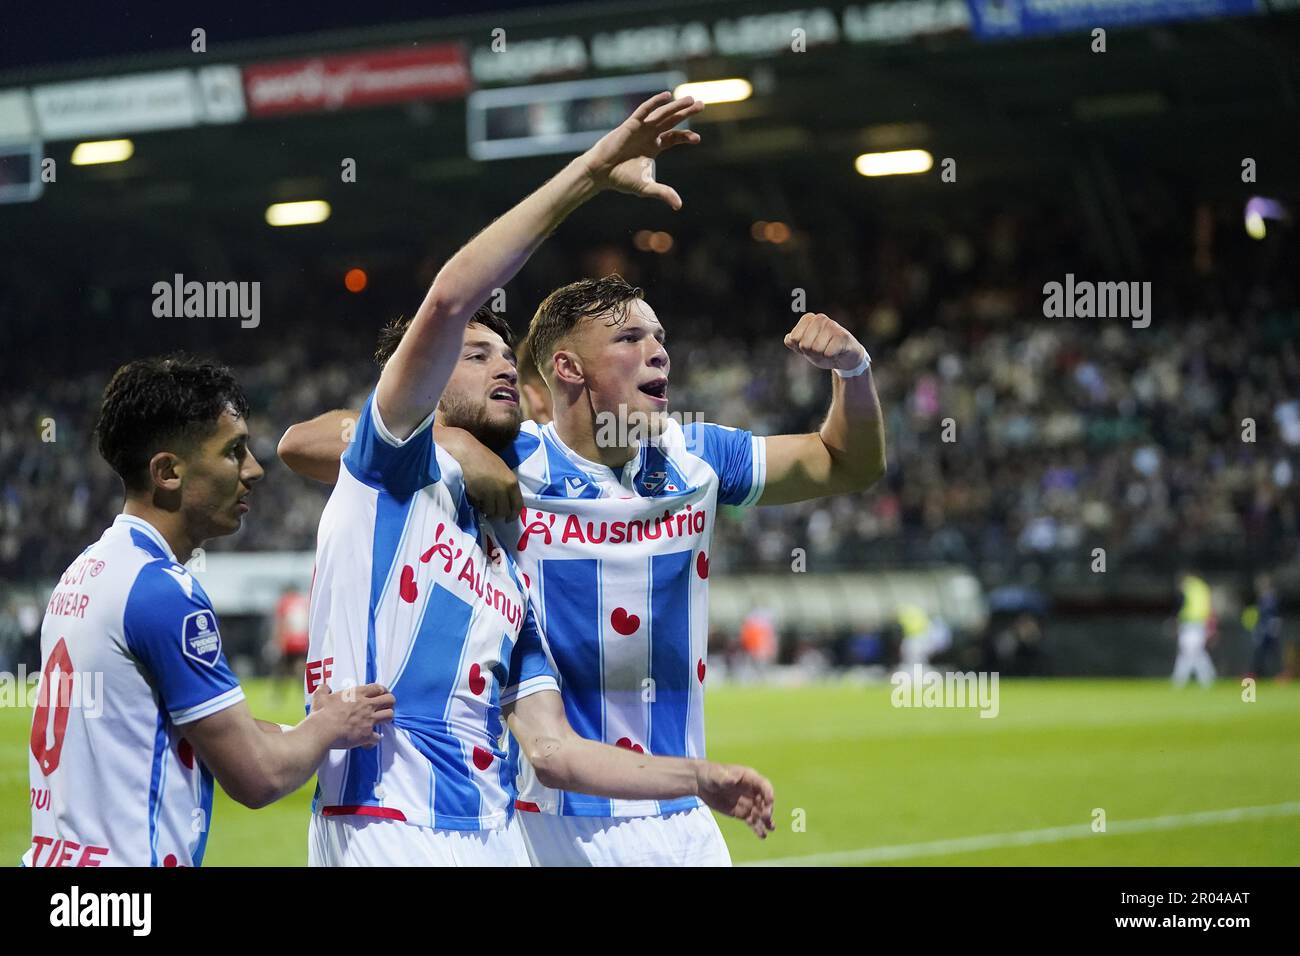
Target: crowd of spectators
<point>1012,437</point>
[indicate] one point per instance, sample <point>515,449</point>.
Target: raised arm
<point>566,761</point>
<point>413,379</point>
<point>848,453</point>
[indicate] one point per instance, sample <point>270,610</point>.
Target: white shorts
<point>370,841</point>
<point>1191,635</point>
<point>685,838</point>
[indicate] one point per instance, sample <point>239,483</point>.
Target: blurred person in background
<point>758,642</point>
<point>923,637</point>
<point>1264,620</point>
<point>1195,626</point>
<point>289,637</point>
<point>534,393</point>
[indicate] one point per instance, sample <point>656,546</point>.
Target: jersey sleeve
<point>382,461</point>
<point>531,669</point>
<point>171,629</point>
<point>737,457</point>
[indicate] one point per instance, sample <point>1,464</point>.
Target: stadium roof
<point>1024,118</point>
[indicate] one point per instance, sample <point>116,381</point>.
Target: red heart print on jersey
<point>623,622</point>
<point>408,589</point>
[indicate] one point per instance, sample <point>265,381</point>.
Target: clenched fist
<point>825,343</point>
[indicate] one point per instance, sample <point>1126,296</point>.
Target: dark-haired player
<point>615,538</point>
<point>411,589</point>
<point>138,709</point>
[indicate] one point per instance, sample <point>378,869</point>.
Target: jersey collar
<point>597,470</point>
<point>144,527</point>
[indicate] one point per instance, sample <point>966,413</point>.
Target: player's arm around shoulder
<point>563,760</point>
<point>314,449</point>
<point>848,453</point>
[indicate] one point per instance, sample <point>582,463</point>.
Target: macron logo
<point>573,487</point>
<point>134,910</point>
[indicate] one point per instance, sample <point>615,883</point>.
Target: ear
<point>166,471</point>
<point>567,368</point>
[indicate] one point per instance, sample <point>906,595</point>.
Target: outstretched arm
<point>623,159</point>
<point>566,761</point>
<point>256,763</point>
<point>848,452</point>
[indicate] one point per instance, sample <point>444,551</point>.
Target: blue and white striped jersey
<point>411,591</point>
<point>617,565</point>
<point>130,654</point>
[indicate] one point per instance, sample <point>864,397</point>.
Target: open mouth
<point>657,388</point>
<point>242,504</point>
<point>504,393</point>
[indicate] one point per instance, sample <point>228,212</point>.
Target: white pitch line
<point>993,841</point>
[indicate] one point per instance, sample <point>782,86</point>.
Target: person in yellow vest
<point>1195,617</point>
<point>923,637</point>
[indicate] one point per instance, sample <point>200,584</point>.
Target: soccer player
<point>137,708</point>
<point>614,538</point>
<point>532,389</point>
<point>411,588</point>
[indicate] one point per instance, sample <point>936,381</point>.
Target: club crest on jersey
<point>200,639</point>
<point>654,480</point>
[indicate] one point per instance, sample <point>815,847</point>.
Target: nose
<point>253,470</point>
<point>506,372</point>
<point>659,357</point>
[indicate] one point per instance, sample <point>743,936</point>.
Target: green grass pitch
<point>871,783</point>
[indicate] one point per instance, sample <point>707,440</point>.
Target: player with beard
<point>615,536</point>
<point>411,589</point>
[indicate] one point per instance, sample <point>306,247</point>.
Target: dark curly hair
<point>154,403</point>
<point>391,334</point>
<point>560,312</point>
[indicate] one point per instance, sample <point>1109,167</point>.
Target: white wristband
<point>866,364</point>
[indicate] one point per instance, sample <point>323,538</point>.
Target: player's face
<point>627,364</point>
<point>218,478</point>
<point>482,395</point>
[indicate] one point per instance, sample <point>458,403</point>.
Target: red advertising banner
<point>358,79</point>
